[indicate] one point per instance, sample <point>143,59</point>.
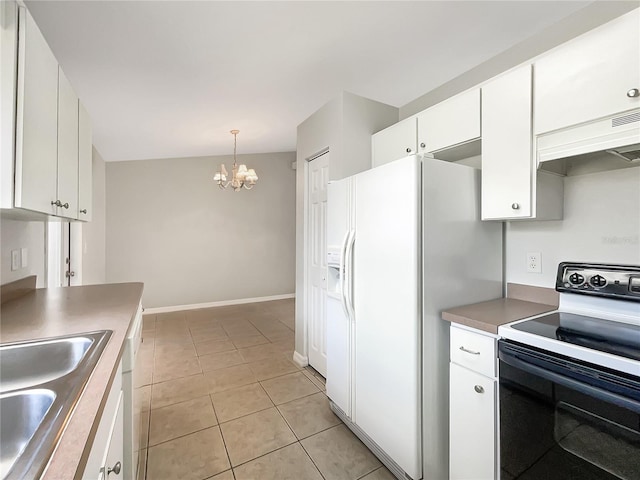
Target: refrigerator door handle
<point>349,274</point>
<point>343,273</point>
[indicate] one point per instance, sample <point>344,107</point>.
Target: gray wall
<point>93,233</point>
<point>17,234</point>
<point>591,231</point>
<point>582,21</point>
<point>170,226</point>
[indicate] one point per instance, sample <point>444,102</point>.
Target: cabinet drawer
<point>474,351</point>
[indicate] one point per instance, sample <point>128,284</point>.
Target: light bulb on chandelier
<point>240,175</point>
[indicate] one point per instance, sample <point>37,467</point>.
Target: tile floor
<point>222,400</point>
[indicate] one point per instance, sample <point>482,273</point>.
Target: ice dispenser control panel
<point>333,271</point>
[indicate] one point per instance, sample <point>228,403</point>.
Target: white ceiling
<point>171,78</point>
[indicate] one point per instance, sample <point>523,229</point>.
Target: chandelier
<point>240,176</point>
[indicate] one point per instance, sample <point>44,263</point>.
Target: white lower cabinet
<point>107,452</point>
<point>472,413</point>
<point>472,425</point>
<point>113,457</point>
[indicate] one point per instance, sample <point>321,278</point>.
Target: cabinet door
<point>36,120</point>
<point>506,146</point>
<point>8,94</point>
<point>589,77</point>
<point>397,141</point>
<point>67,148</point>
<point>112,464</point>
<point>449,123</point>
<point>472,435</point>
<point>85,165</point>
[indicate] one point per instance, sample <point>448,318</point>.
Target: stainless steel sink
<point>34,363</point>
<point>21,414</point>
<point>40,384</point>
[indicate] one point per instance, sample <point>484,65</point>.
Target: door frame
<point>56,255</point>
<point>306,304</point>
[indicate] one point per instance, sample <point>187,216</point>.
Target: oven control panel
<point>616,281</point>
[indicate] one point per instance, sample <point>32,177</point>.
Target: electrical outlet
<point>534,262</point>
<point>15,260</point>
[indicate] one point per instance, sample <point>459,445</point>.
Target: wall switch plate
<point>24,259</point>
<point>15,260</point>
<point>534,262</point>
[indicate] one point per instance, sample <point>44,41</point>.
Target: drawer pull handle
<point>116,469</point>
<point>479,389</point>
<point>469,351</point>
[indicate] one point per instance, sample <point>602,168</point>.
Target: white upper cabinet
<point>512,187</point>
<point>85,166</point>
<point>8,95</point>
<point>453,122</point>
<point>590,77</point>
<point>52,164</point>
<point>67,148</point>
<point>394,142</point>
<point>36,120</point>
<point>506,146</point>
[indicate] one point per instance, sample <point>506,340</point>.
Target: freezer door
<point>387,304</point>
<point>339,338</point>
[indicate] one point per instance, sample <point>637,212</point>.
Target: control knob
<point>598,281</point>
<point>576,279</point>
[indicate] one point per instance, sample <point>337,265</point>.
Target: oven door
<point>563,419</point>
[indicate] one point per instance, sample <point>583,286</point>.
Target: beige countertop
<point>51,312</point>
<point>488,316</point>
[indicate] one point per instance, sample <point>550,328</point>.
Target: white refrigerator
<point>404,242</point>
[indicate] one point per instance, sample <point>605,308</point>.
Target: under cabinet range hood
<point>613,140</point>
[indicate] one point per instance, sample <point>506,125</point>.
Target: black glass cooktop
<point>604,335</point>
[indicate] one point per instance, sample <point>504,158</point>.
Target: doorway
<point>64,254</point>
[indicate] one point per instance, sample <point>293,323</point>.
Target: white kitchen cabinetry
<point>394,142</point>
<point>106,456</point>
<point>472,406</point>
<point>455,121</point>
<point>512,187</point>
<point>85,165</point>
<point>589,77</point>
<point>50,168</point>
<point>36,120</point>
<point>114,455</point>
<point>8,95</point>
<point>67,188</point>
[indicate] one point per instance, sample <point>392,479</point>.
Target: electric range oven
<point>569,402</point>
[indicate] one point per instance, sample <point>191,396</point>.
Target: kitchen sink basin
<point>21,414</point>
<point>40,384</point>
<point>25,364</point>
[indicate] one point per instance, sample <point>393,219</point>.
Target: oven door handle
<point>573,384</point>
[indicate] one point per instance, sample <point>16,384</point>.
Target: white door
<point>317,187</point>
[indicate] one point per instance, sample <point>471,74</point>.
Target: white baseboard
<point>197,306</point>
<point>300,360</point>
